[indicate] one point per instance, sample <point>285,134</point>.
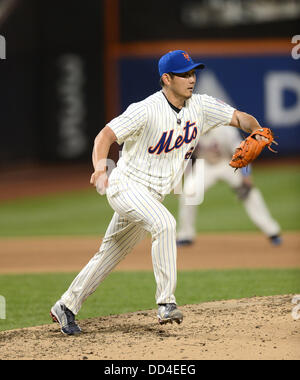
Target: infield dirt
<point>210,251</point>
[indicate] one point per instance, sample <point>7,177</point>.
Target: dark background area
<point>52,80</point>
<point>181,19</point>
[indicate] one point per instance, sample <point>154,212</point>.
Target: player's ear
<point>166,79</point>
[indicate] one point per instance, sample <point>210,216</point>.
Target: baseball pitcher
<point>159,133</point>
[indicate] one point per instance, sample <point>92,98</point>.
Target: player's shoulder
<point>196,97</point>
<point>211,105</point>
<point>204,98</point>
<point>201,99</point>
<point>208,99</point>
<point>154,99</point>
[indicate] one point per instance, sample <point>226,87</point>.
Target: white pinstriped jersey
<point>156,149</point>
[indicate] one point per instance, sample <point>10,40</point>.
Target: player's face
<point>183,84</point>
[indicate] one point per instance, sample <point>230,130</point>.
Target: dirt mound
<point>255,328</point>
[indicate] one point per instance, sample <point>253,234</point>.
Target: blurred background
<point>71,66</point>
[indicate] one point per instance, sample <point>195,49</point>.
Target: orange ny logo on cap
<point>186,56</point>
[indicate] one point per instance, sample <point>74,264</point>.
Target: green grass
<point>87,213</point>
<point>71,213</point>
<point>29,297</point>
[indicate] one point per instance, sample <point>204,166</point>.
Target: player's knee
<point>165,225</point>
<point>242,192</point>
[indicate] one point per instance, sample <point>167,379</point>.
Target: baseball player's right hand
<point>100,180</point>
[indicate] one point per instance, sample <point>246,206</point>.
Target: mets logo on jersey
<point>165,142</point>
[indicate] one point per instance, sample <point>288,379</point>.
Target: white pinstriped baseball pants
<point>137,212</point>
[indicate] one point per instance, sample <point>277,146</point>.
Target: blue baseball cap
<point>177,61</point>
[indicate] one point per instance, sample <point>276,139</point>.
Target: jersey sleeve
<point>130,123</point>
<point>215,112</point>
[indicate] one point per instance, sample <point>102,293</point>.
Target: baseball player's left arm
<point>251,147</point>
<point>246,123</point>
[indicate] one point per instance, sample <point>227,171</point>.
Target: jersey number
<point>189,153</point>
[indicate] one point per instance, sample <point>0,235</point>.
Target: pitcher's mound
<point>255,328</point>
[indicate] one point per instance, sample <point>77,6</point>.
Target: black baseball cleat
<point>184,242</point>
<point>62,315</point>
<point>168,313</point>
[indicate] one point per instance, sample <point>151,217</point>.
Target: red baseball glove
<point>250,148</point>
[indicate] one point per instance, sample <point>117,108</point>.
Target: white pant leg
<point>120,238</point>
<point>258,212</point>
<point>137,211</point>
<point>254,204</point>
<point>145,209</point>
